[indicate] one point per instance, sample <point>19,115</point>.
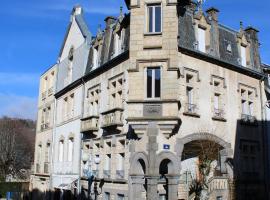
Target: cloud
<point>11,78</point>
<point>12,105</point>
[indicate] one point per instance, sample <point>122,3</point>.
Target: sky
<point>32,32</point>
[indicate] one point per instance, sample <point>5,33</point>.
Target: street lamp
<point>91,177</point>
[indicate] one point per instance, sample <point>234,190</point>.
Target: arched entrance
<point>204,172</point>
<point>168,166</point>
<point>137,173</point>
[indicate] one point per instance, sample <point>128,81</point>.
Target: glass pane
<point>157,82</point>
<point>149,83</point>
<point>150,19</point>
<point>158,19</point>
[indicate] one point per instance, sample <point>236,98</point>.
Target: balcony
<point>219,115</point>
<point>120,174</point>
<point>46,168</point>
<point>37,168</point>
<point>89,124</point>
<point>50,91</point>
<point>248,119</point>
<point>107,173</point>
<point>113,119</point>
<point>191,110</point>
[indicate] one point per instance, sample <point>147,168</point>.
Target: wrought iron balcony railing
<point>219,113</point>
<point>191,108</point>
<point>246,118</point>
<point>120,174</point>
<point>107,173</point>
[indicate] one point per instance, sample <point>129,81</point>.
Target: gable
<point>74,38</point>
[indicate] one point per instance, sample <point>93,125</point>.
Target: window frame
<point>147,21</point>
<point>153,97</point>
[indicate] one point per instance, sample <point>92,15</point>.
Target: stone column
<point>152,190</point>
<point>173,181</point>
<point>135,187</point>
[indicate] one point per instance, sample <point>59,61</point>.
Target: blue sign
<point>166,146</point>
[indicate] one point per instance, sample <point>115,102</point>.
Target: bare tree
<point>16,147</point>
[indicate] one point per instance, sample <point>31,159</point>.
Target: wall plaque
<point>152,110</point>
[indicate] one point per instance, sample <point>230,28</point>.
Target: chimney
<point>254,46</point>
<point>212,13</point>
<point>77,10</point>
<point>214,33</point>
<point>109,21</point>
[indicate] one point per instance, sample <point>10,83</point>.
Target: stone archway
<point>138,170</point>
<point>204,156</point>
<point>168,167</point>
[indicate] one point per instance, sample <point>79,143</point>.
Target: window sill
<point>191,114</point>
<point>221,119</point>
<point>152,34</point>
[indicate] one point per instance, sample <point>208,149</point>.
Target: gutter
<point>264,139</point>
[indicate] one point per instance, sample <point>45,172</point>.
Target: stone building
<point>44,131</point>
<point>159,92</point>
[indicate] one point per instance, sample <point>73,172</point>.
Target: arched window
<point>61,151</point>
<point>70,66</point>
<point>70,149</point>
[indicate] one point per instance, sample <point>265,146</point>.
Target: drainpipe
<point>80,156</point>
<point>264,137</point>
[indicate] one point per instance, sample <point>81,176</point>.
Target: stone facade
<point>136,104</point>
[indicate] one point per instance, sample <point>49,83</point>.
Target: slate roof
<point>79,18</point>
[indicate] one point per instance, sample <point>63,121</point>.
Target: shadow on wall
<point>250,161</point>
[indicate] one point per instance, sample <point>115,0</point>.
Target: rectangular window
<point>154,20</point>
<point>153,82</point>
<point>216,102</point>
<point>250,108</point>
<point>95,58</point>
<point>243,56</point>
<point>120,197</point>
<point>107,196</point>
<point>201,39</point>
<point>190,95</point>
<point>244,107</point>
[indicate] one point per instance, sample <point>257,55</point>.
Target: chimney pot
<point>213,13</point>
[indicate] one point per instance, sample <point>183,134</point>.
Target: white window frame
<point>243,56</point>
<point>61,151</point>
<point>95,58</point>
<point>201,39</point>
<point>147,31</point>
<point>70,149</point>
<point>153,82</point>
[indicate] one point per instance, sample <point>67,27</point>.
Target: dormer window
<point>243,56</point>
<point>154,19</point>
<point>228,46</point>
<point>95,58</point>
<point>201,39</point>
